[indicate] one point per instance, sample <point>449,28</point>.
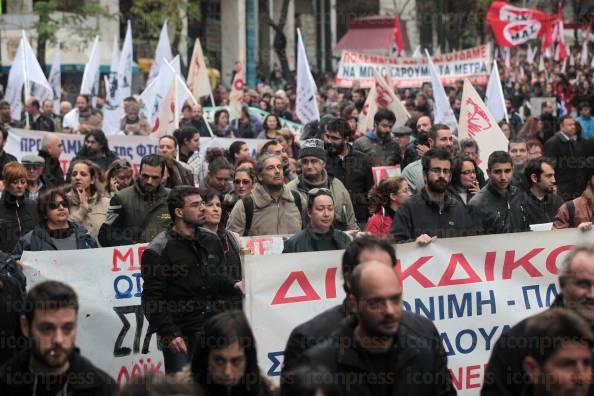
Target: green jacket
<point>304,241</point>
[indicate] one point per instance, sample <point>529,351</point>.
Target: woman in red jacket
<point>384,201</point>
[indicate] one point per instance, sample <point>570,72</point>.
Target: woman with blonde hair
<point>384,201</point>
<point>88,201</point>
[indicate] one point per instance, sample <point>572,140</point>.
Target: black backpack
<point>248,204</point>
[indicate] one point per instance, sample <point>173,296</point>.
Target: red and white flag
<point>584,54</point>
<point>398,43</point>
<point>198,81</point>
<point>236,95</point>
<point>513,26</point>
<point>561,49</point>
<point>477,122</point>
<point>381,96</point>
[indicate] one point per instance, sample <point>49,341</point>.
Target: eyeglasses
<point>197,204</point>
<point>438,171</point>
<point>239,182</point>
<point>467,172</point>
<point>57,204</point>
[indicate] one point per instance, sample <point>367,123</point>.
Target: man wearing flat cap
<point>37,181</point>
<point>401,136</point>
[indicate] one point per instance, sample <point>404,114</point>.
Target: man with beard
<point>184,273</point>
<point>440,137</point>
<point>271,208</point>
<point>382,349</point>
<point>378,144</point>
<point>359,98</point>
<point>499,207</point>
<point>518,151</point>
<point>432,212</point>
<point>51,364</point>
<point>83,117</point>
<point>139,212</point>
<point>350,166</point>
<point>542,203</point>
<point>505,376</point>
<point>312,159</point>
<point>47,109</point>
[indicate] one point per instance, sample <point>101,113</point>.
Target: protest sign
<point>473,288</point>
<point>473,63</point>
<point>383,172</point>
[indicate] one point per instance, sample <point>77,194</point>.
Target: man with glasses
<point>184,273</point>
<point>138,213</point>
<point>499,207</point>
<point>440,137</point>
<point>432,212</point>
<point>378,144</point>
<point>51,150</point>
<point>312,159</point>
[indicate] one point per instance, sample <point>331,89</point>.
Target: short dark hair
<point>316,192</point>
<point>35,103</point>
<point>175,199</point>
<point>218,113</point>
<point>434,153</point>
<point>341,126</point>
<point>85,96</point>
<point>565,117</point>
<point>186,106</point>
<point>235,148</point>
<point>582,105</point>
<point>183,134</point>
<point>549,330</point>
<point>49,296</point>
<point>469,142</point>
<point>220,163</point>
<point>434,129</point>
<point>517,140</point>
<point>266,145</point>
<point>499,157</point>
<point>534,167</point>
<point>152,160</point>
<point>262,159</point>
<point>350,257</point>
<point>384,114</point>
<point>45,198</point>
<point>170,138</point>
<point>4,103</point>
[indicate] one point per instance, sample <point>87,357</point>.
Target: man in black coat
<point>51,364</point>
<point>319,328</point>
<point>185,274</point>
<point>432,212</point>
<point>499,207</point>
<point>382,350</point>
<point>51,150</point>
<point>349,166</point>
<point>542,203</point>
<point>568,151</point>
<point>505,376</point>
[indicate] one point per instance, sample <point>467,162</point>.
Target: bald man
<point>51,150</point>
<point>381,349</point>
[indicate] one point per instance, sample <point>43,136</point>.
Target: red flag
<point>561,50</point>
<point>398,46</point>
<point>513,26</point>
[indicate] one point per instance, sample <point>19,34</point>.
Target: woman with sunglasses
<point>88,201</point>
<point>384,201</point>
<point>119,176</point>
<point>213,213</point>
<point>243,183</point>
<point>320,234</point>
<point>55,231</point>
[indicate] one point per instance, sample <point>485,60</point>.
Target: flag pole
<point>25,42</point>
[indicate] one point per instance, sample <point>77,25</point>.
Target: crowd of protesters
<point>316,187</point>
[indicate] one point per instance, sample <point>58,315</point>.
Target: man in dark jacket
<point>51,150</point>
<point>432,212</point>
<point>37,120</point>
<point>184,273</point>
<point>350,166</point>
<point>499,207</point>
<point>138,213</point>
<point>568,151</point>
<point>378,144</point>
<point>505,376</point>
<point>52,365</point>
<point>542,203</point>
<point>11,295</point>
<point>381,349</point>
<point>318,329</point>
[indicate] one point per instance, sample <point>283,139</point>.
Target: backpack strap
<point>297,198</point>
<point>248,205</point>
<point>571,212</point>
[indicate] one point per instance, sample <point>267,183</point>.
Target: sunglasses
<point>117,165</point>
<point>314,192</point>
<point>239,182</point>
<point>57,204</point>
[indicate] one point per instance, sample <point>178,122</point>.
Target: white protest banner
<point>472,63</point>
<point>112,329</point>
<point>22,142</point>
<point>262,245</point>
<point>473,289</point>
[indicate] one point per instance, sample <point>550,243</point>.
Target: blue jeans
<point>175,361</point>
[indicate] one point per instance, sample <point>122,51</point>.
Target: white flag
<point>25,70</point>
<point>198,81</point>
<point>442,109</point>
<point>177,93</point>
<point>155,91</point>
<point>494,96</point>
<point>386,99</point>
<point>55,80</point>
<point>531,55</point>
<point>477,122</point>
<point>365,122</point>
<point>113,110</point>
<point>437,50</point>
<point>584,54</point>
<point>236,95</point>
<point>306,107</point>
<point>125,67</point>
<point>89,85</point>
<point>163,51</point>
<point>417,53</point>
